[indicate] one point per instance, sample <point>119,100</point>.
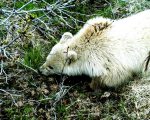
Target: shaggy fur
<point>109,51</point>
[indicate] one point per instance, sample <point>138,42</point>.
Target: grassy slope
<point>34,96</point>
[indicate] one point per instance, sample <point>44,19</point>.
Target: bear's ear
<point>65,37</point>
<point>71,57</point>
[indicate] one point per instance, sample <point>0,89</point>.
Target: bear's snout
<point>42,70</point>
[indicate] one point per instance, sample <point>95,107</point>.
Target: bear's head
<point>59,58</point>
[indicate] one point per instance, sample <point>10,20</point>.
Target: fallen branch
<point>11,95</point>
<point>30,68</point>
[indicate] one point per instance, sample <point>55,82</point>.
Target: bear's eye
<point>50,67</point>
<point>69,61</point>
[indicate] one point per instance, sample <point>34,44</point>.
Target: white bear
<point>109,51</point>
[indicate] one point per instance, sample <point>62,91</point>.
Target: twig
<point>22,11</point>
<point>25,5</point>
<point>11,42</point>
<point>5,76</point>
<point>62,92</point>
<point>43,23</point>
<point>28,67</point>
<point>73,104</point>
<point>93,114</point>
<point>5,20</point>
<point>10,96</point>
<point>3,55</point>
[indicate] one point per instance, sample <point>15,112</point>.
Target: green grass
<point>33,57</point>
<point>21,113</point>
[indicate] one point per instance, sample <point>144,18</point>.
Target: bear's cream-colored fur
<point>109,51</point>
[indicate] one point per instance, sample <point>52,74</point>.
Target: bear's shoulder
<point>95,26</point>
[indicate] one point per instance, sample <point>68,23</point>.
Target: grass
<point>22,113</point>
<point>33,57</point>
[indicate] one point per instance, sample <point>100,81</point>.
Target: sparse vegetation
<point>28,30</point>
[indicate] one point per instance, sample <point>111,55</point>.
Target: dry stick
<point>25,5</point>
<point>21,12</point>
<point>7,18</point>
<point>5,76</point>
<point>1,71</point>
<point>11,42</point>
<point>28,67</point>
<point>10,96</point>
<point>62,18</point>
<point>3,53</point>
<point>43,23</point>
<point>73,104</point>
<point>62,92</point>
<point>68,2</point>
<point>93,114</point>
<point>74,19</point>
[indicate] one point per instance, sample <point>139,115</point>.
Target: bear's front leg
<point>96,83</point>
